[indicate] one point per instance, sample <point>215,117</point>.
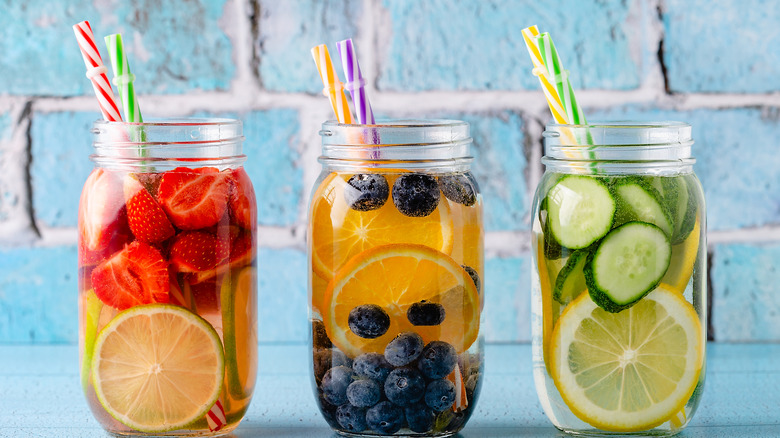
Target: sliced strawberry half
<point>243,204</point>
<point>146,218</point>
<point>242,251</point>
<point>194,198</point>
<point>136,275</point>
<point>120,236</point>
<point>197,251</point>
<point>100,209</point>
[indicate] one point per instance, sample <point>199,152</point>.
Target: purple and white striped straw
<point>355,82</point>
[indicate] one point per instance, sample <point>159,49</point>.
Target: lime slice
<point>92,307</point>
<point>238,298</point>
<point>157,367</point>
<point>632,370</point>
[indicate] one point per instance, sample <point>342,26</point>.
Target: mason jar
<point>396,275</point>
<point>167,278</point>
<point>619,293</point>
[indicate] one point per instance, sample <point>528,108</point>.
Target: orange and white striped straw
<point>334,88</point>
<point>553,100</point>
<point>96,72</point>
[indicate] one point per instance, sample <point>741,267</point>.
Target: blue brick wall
<point>718,70</point>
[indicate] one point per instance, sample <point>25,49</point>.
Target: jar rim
<point>619,133</point>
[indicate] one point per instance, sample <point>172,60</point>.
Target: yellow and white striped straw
<point>553,100</point>
<point>334,88</point>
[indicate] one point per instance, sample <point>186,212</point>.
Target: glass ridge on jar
<point>619,293</point>
<point>167,278</point>
<point>396,268</point>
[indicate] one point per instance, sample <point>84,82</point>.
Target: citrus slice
<point>394,277</point>
<point>631,370</point>
<point>339,233</point>
<point>91,307</point>
<point>318,287</point>
<point>683,260</point>
<point>238,300</point>
<point>157,367</point>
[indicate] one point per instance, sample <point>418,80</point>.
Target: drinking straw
<point>123,79</point>
<point>355,82</point>
<point>96,72</point>
<point>560,78</point>
<point>215,417</point>
<point>333,86</point>
<point>540,71</point>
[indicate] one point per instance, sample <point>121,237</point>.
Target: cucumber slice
<point>683,210</point>
<point>571,280</point>
<point>638,200</point>
<point>628,263</point>
<point>580,211</point>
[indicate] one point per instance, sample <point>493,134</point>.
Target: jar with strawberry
<point>167,278</point>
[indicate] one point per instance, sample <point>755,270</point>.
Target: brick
<point>61,146</point>
<point>478,45</point>
<point>288,29</point>
<point>173,47</point>
<point>745,303</point>
<point>506,316</point>
<point>499,167</point>
<point>707,50</point>
<point>8,196</point>
<point>272,147</point>
<point>735,160</point>
<point>38,295</point>
<point>283,296</point>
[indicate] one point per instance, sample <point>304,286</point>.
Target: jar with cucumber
<point>619,283</point>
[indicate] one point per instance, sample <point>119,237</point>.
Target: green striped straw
<point>560,79</point>
<point>123,79</point>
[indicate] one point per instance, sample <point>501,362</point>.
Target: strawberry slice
<point>197,251</point>
<point>100,209</point>
<point>243,205</point>
<point>120,237</point>
<point>242,252</point>
<point>136,275</point>
<point>194,198</point>
<point>146,218</point>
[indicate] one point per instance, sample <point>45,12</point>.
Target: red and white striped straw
<point>355,82</point>
<point>216,417</point>
<point>96,72</point>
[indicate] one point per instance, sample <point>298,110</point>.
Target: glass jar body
<point>396,269</point>
<point>619,293</point>
<point>167,263</point>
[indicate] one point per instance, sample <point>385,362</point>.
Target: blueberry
<point>368,321</point>
<point>404,349</point>
<point>404,386</point>
<point>351,418</point>
<point>437,360</point>
<point>426,313</point>
<point>364,393</point>
<point>365,191</point>
<point>419,417</point>
<point>326,358</point>
<point>474,277</point>
<point>328,412</point>
<point>440,395</point>
<point>416,194</point>
<point>373,366</point>
<point>319,336</point>
<point>335,383</point>
<point>459,188</point>
<point>385,418</point>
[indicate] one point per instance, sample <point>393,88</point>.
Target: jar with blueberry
<point>396,269</point>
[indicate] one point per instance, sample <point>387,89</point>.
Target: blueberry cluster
<point>406,387</point>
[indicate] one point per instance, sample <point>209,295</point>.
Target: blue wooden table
<point>40,395</point>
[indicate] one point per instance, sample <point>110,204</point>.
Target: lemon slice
<point>238,301</point>
<point>157,367</point>
<point>632,370</point>
<point>683,259</point>
<point>394,277</point>
<point>339,233</point>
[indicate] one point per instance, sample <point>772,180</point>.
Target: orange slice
<point>394,277</point>
<point>338,233</point>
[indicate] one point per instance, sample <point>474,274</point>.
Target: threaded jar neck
<point>168,143</point>
<point>408,144</point>
<point>619,147</point>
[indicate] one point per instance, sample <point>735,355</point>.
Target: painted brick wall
<point>716,67</point>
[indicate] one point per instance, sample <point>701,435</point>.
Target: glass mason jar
<point>167,278</point>
<point>395,244</point>
<point>619,283</point>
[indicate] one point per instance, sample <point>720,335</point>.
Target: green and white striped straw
<point>123,79</point>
